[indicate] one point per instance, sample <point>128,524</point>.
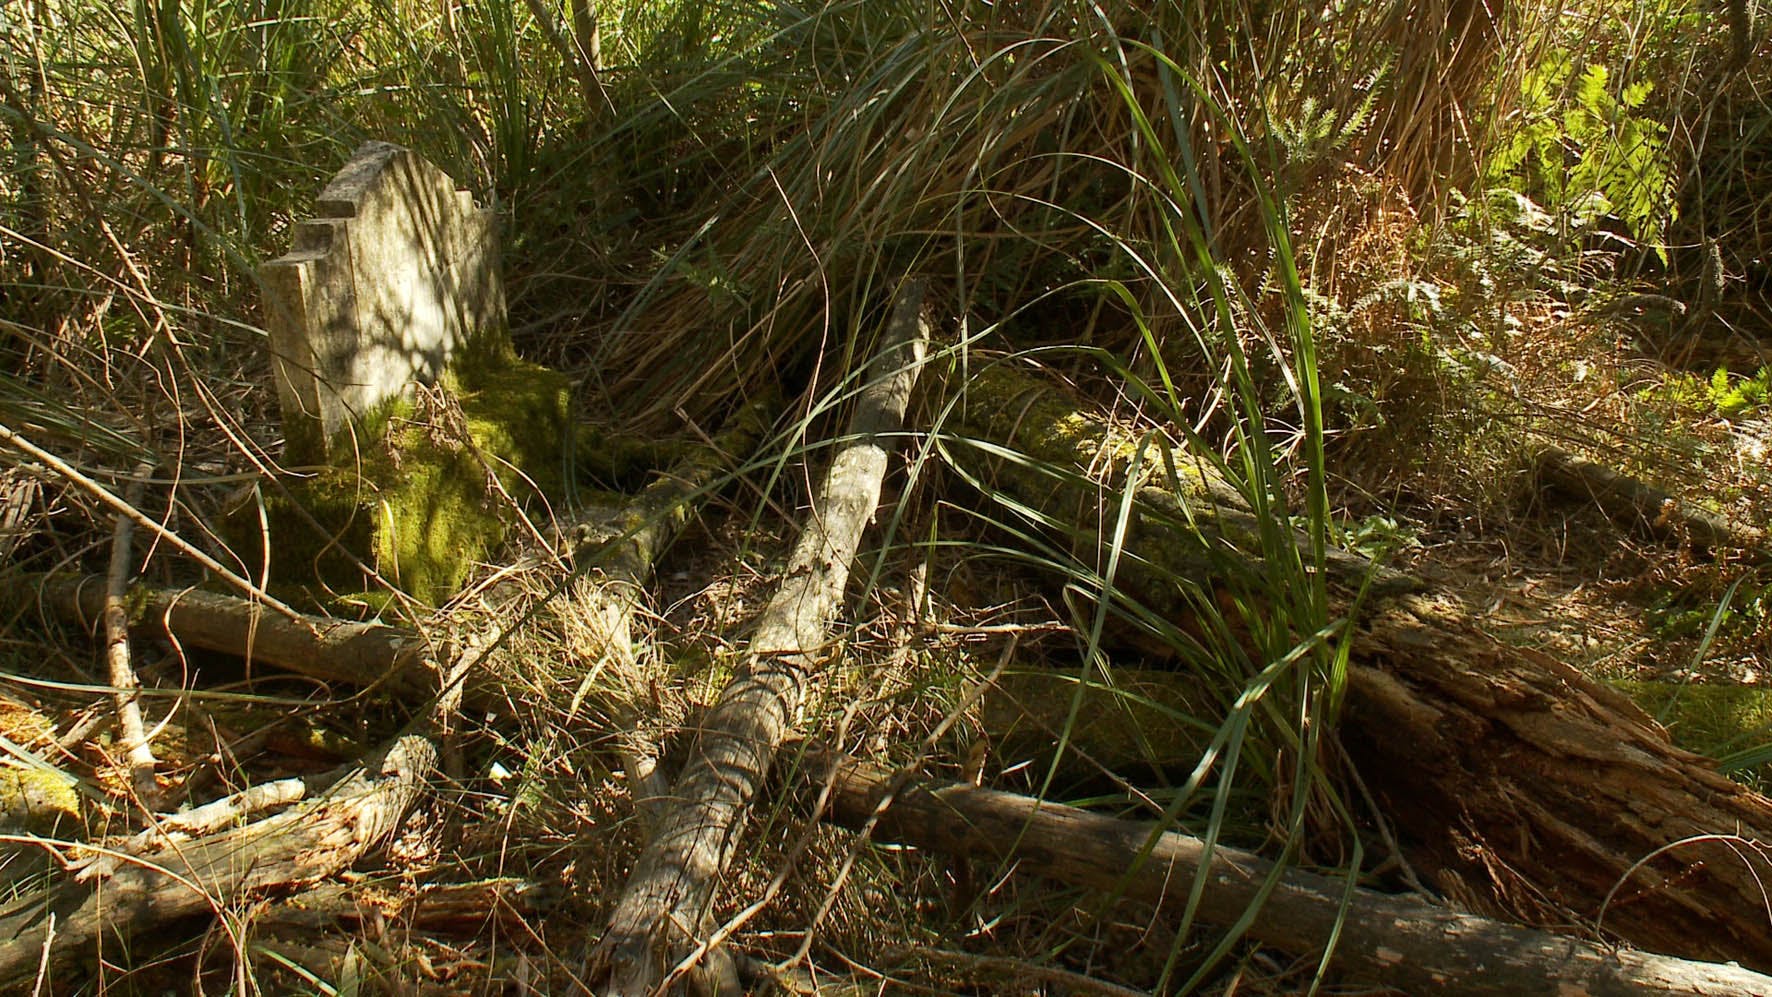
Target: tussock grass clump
<point>1016,154</point>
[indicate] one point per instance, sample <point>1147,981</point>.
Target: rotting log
<point>1520,786</point>
<point>1641,507</point>
<point>663,919</point>
<point>301,845</point>
<point>1395,941</point>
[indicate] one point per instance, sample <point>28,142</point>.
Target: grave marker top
<point>396,277</point>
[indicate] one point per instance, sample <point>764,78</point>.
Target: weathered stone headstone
<point>396,277</point>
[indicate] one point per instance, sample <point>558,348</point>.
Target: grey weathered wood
<point>396,276</point>
<point>1391,940</point>
<point>123,679</point>
<point>299,846</point>
<point>664,912</point>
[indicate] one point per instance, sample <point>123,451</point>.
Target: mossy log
<point>1520,785</point>
<point>37,799</point>
<point>1390,940</point>
<point>86,919</point>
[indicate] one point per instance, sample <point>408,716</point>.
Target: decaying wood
<point>1384,939</point>
<point>1642,507</point>
<point>663,915</point>
<point>299,846</point>
<point>1521,786</point>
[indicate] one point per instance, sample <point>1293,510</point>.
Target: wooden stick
<point>136,749</point>
<point>663,916</point>
<point>1384,939</point>
<point>299,846</point>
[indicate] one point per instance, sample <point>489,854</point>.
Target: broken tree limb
<point>1384,939</point>
<point>319,648</point>
<point>1521,786</point>
<point>663,917</point>
<point>299,846</point>
<point>1641,507</point>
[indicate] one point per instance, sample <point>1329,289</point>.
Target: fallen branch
<point>323,649</point>
<point>1642,507</point>
<point>663,917</point>
<point>1519,784</point>
<point>1390,940</point>
<point>301,845</point>
<point>137,751</point>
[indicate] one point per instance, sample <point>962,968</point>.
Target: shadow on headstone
<point>416,429</point>
<point>394,280</point>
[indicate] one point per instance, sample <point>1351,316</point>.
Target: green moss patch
<point>37,800</point>
<point>427,489</point>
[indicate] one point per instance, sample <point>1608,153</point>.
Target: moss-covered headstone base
<point>421,491</point>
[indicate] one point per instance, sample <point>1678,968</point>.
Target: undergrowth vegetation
<point>1363,262</point>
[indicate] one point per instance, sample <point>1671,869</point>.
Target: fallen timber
<point>306,843</point>
<point>1420,943</point>
<point>1642,507</point>
<point>1520,786</point>
<point>1390,940</point>
<point>610,553</point>
<point>660,929</point>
